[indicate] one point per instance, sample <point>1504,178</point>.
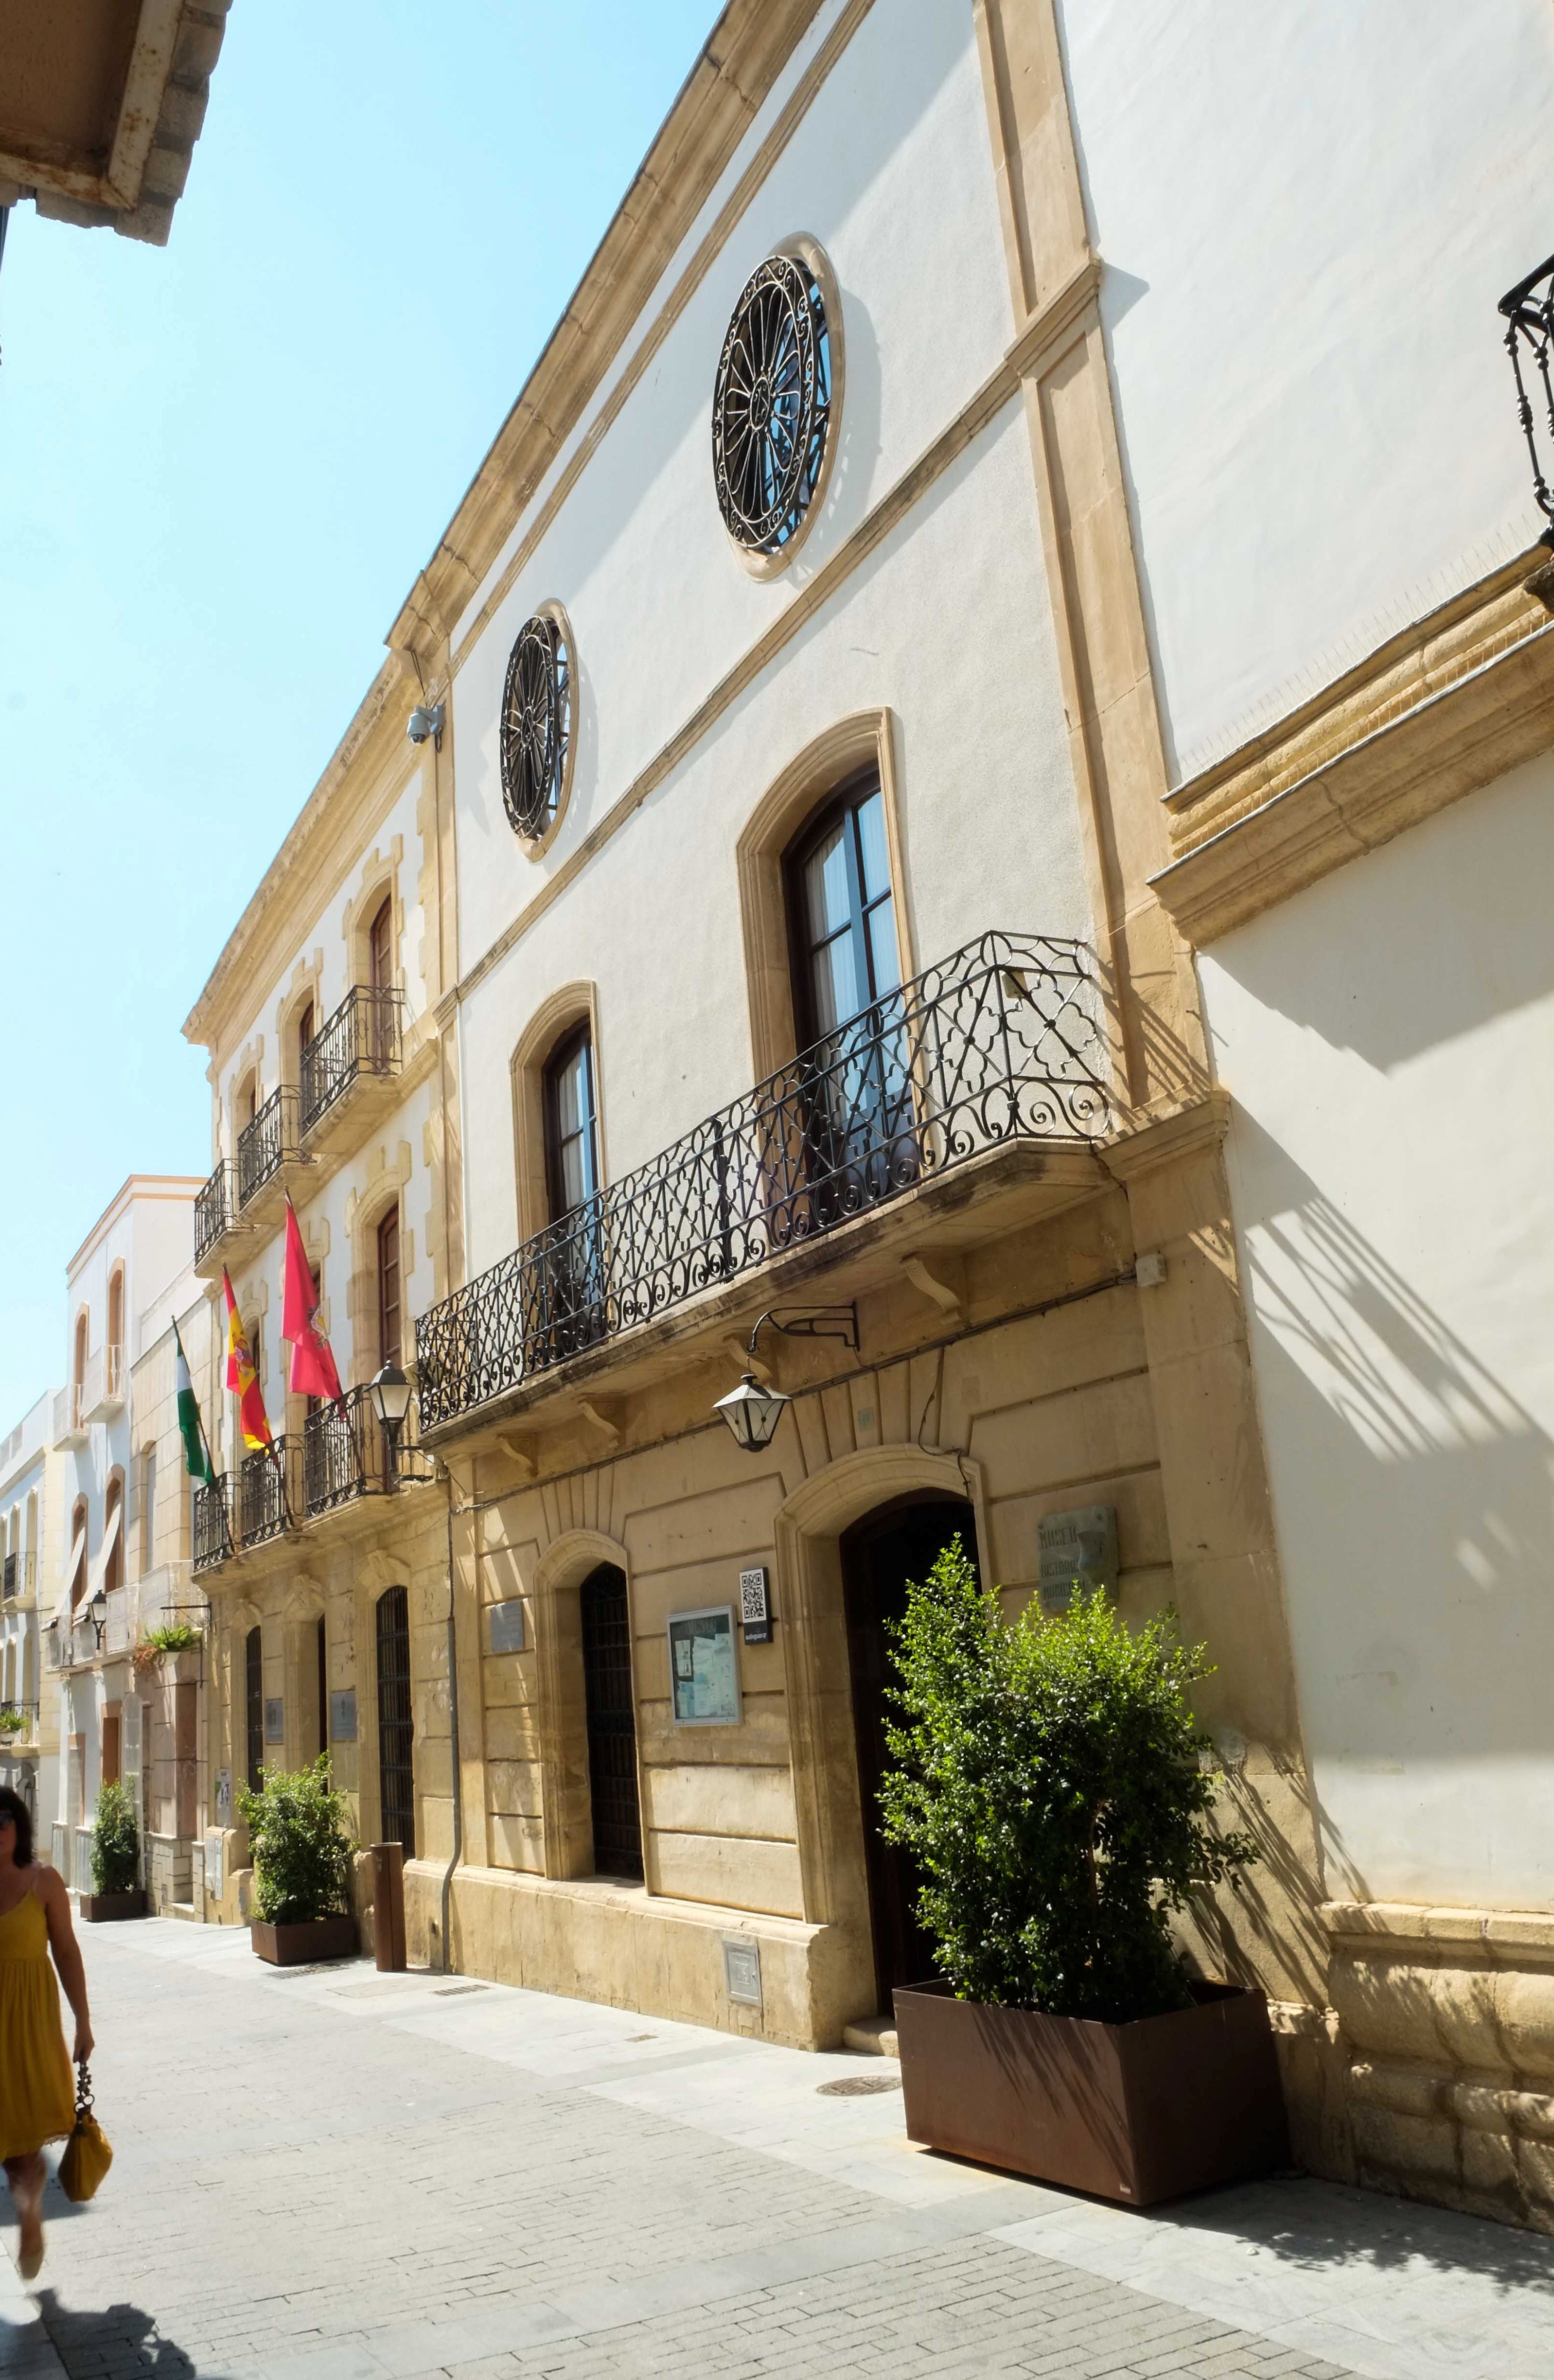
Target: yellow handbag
<point>87,2154</point>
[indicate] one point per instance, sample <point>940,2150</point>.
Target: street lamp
<point>753,1412</point>
<point>97,1612</point>
<point>391,1403</point>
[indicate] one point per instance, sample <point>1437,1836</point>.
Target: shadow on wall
<point>1415,1498</point>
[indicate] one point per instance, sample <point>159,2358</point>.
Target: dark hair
<point>14,1806</point>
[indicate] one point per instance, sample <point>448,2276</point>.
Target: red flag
<point>313,1370</point>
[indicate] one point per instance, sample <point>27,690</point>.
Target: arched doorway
<point>611,1723</point>
<point>396,1775</point>
<point>901,1541</point>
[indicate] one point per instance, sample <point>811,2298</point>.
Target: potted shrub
<point>12,1721</point>
<point>172,1639</point>
<point>1050,1786</point>
<point>303,1858</point>
<point>116,1859</point>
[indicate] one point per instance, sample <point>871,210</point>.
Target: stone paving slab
<point>332,2175</point>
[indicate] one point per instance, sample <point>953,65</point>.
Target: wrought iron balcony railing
<point>361,1038</point>
<point>265,1145</point>
<point>215,1210</point>
<point>344,1455</point>
<point>1001,1041</point>
<point>1529,339</point>
<point>215,1522</point>
<point>266,1491</point>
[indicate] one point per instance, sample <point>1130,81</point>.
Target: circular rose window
<point>537,724</point>
<point>773,404</point>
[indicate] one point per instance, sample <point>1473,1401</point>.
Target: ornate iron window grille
<point>266,1486</point>
<point>214,1207</point>
<point>266,1144</point>
<point>1529,338</point>
<point>772,406</point>
<point>214,1516</point>
<point>397,1728</point>
<point>1000,1041</point>
<point>362,1037</point>
<point>344,1455</point>
<point>536,736</point>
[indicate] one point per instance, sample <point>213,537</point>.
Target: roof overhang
<point>101,105</point>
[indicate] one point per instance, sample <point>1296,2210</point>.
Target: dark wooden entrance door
<point>878,1559</point>
<point>611,1723</point>
<point>396,1729</point>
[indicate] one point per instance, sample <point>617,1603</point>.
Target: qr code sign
<point>752,1596</point>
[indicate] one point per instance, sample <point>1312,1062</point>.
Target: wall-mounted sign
<point>215,1845</point>
<point>342,1717</point>
<point>223,1796</point>
<point>755,1607</point>
<point>1078,1547</point>
<point>274,1721</point>
<point>742,1968</point>
<point>701,1667</point>
<point>507,1626</point>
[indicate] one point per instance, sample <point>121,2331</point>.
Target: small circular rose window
<point>537,724</point>
<point>772,405</point>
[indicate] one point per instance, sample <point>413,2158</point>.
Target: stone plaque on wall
<point>507,1626</point>
<point>1079,1547</point>
<point>342,1717</point>
<point>742,1970</point>
<point>274,1721</point>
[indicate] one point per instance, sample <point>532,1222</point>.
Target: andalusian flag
<point>241,1375</point>
<point>196,1454</point>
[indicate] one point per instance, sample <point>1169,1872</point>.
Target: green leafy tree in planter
<point>302,1846</point>
<point>116,1843</point>
<point>1050,1789</point>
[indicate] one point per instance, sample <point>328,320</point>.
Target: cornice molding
<point>1156,1140</point>
<point>1439,710</point>
<point>748,48</point>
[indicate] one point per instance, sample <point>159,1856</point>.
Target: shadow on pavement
<point>1325,2225</point>
<point>88,2341</point>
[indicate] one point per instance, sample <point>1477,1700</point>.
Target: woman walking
<point>37,2097</point>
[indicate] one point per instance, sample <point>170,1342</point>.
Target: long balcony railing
<point>18,1577</point>
<point>265,1144</point>
<point>215,1520</point>
<point>1001,1041</point>
<point>361,1038</point>
<point>215,1210</point>
<point>345,1454</point>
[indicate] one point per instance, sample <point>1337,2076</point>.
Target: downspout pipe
<point>453,1741</point>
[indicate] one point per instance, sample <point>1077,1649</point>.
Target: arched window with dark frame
<point>571,1251</point>
<point>379,947</point>
<point>854,1070</point>
<point>389,1330</point>
<point>305,1030</point>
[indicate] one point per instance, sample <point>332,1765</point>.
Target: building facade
<point>31,1549</point>
<point>326,1089</point>
<point>885,847</point>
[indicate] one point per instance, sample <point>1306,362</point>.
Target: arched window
<point>148,1507</point>
<point>78,1369</point>
<point>115,1307</point>
<point>572,1302</point>
<point>388,1288</point>
<point>304,1034</point>
<point>380,948</point>
<point>77,1551</point>
<point>397,1779</point>
<point>112,1535</point>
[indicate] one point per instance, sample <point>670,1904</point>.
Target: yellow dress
<point>37,2091</point>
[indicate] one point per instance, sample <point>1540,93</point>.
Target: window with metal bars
<point>611,1723</point>
<point>396,1775</point>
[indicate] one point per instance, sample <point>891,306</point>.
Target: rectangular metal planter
<point>100,1908</point>
<point>1134,2112</point>
<point>297,1946</point>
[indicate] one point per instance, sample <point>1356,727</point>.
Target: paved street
<point>332,2174</point>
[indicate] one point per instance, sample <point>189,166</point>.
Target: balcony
<point>349,1068</point>
<point>18,1581</point>
<point>1528,314</point>
<point>1000,1044</point>
<point>69,1418</point>
<point>217,1227</point>
<point>268,1155</point>
<point>18,1727</point>
<point>102,1389</point>
<point>150,1601</point>
<point>338,1460</point>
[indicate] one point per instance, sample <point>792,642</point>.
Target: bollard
<point>388,1907</point>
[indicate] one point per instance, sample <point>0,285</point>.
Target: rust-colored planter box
<point>297,1946</point>
<point>101,1908</point>
<point>1135,2112</point>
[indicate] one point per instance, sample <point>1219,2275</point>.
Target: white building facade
<point>31,1549</point>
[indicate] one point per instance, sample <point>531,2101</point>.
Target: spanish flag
<point>241,1375</point>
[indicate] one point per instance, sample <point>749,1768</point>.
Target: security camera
<point>426,720</point>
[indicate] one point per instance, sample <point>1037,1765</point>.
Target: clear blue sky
<point>221,464</point>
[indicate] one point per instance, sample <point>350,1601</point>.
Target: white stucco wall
<point>1388,1040</point>
<point>949,623</point>
<point>1306,216</point>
